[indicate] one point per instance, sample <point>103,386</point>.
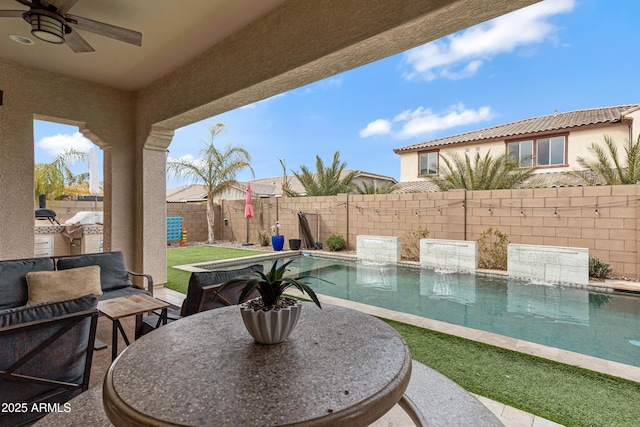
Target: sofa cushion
<point>206,278</point>
<point>13,282</point>
<point>64,284</point>
<point>113,272</point>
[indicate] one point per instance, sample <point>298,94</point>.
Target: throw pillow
<point>65,284</point>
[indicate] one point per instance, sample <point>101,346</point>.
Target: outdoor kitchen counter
<point>339,367</point>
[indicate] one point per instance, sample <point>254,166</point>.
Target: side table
<point>130,305</point>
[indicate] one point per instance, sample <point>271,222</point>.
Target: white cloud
<point>57,144</point>
<point>322,85</point>
<point>186,157</point>
<point>330,83</point>
<point>462,54</point>
<point>376,127</point>
<point>422,122</point>
<point>263,101</point>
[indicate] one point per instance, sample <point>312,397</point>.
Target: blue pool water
<point>604,325</point>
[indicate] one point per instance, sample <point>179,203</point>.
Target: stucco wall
<point>602,219</point>
<point>578,145</point>
<point>106,115</point>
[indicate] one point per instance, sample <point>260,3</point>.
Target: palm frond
<point>326,181</point>
<point>480,172</point>
<point>608,167</point>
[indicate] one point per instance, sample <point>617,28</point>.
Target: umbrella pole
<point>247,243</point>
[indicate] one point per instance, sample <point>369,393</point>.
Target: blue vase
<point>277,242</point>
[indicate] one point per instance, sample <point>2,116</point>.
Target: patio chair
<point>46,352</point>
<point>204,294</point>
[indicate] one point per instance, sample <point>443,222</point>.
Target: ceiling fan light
<point>47,28</point>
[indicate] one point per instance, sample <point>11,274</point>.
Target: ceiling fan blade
<point>107,30</point>
<point>77,43</point>
<point>62,6</point>
<point>26,3</point>
<point>11,13</point>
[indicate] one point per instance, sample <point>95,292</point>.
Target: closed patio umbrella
<point>94,179</point>
<point>248,211</point>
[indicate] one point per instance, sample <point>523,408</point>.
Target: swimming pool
<point>603,325</point>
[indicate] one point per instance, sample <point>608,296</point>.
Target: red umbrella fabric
<point>248,209</point>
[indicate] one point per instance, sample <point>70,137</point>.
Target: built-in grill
<point>43,213</point>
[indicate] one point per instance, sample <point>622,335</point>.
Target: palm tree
<point>601,172</point>
<point>372,188</point>
<point>216,170</point>
<point>287,191</point>
<point>50,178</point>
<point>485,173</point>
<point>326,181</point>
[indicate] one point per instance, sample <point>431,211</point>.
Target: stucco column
<point>151,234</point>
<point>16,181</point>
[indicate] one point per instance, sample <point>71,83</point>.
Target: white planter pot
<point>271,327</point>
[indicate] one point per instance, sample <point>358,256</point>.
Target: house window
<point>429,163</point>
<point>549,151</point>
<point>523,151</point>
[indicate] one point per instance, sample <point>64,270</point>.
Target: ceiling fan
<point>50,22</point>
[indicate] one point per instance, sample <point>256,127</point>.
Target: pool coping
<point>567,357</point>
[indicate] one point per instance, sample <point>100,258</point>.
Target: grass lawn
<point>565,394</point>
<point>178,280</point>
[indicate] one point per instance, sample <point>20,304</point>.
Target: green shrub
<point>492,249</point>
<point>599,269</point>
<point>411,243</point>
<point>263,238</point>
<point>335,243</point>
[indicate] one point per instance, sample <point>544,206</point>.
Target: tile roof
<point>187,193</point>
<point>554,122</point>
<point>264,187</point>
<point>424,186</point>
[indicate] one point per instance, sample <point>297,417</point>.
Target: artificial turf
<point>568,395</point>
<point>178,280</point>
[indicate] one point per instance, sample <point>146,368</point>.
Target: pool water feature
<point>603,325</point>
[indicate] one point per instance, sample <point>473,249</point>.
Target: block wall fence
<point>604,219</point>
<point>194,218</point>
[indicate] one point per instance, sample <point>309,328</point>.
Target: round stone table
<point>339,367</point>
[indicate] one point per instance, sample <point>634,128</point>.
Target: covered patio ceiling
<point>197,59</point>
<point>173,33</point>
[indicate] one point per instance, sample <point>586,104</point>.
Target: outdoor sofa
<point>48,326</point>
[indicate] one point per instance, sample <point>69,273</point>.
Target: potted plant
<point>294,244</point>
<point>277,241</point>
<point>271,317</point>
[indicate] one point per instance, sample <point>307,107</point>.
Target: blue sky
<point>555,55</point>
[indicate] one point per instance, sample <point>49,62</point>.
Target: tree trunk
<point>210,220</point>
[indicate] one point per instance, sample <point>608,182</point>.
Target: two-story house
<point>550,143</point>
